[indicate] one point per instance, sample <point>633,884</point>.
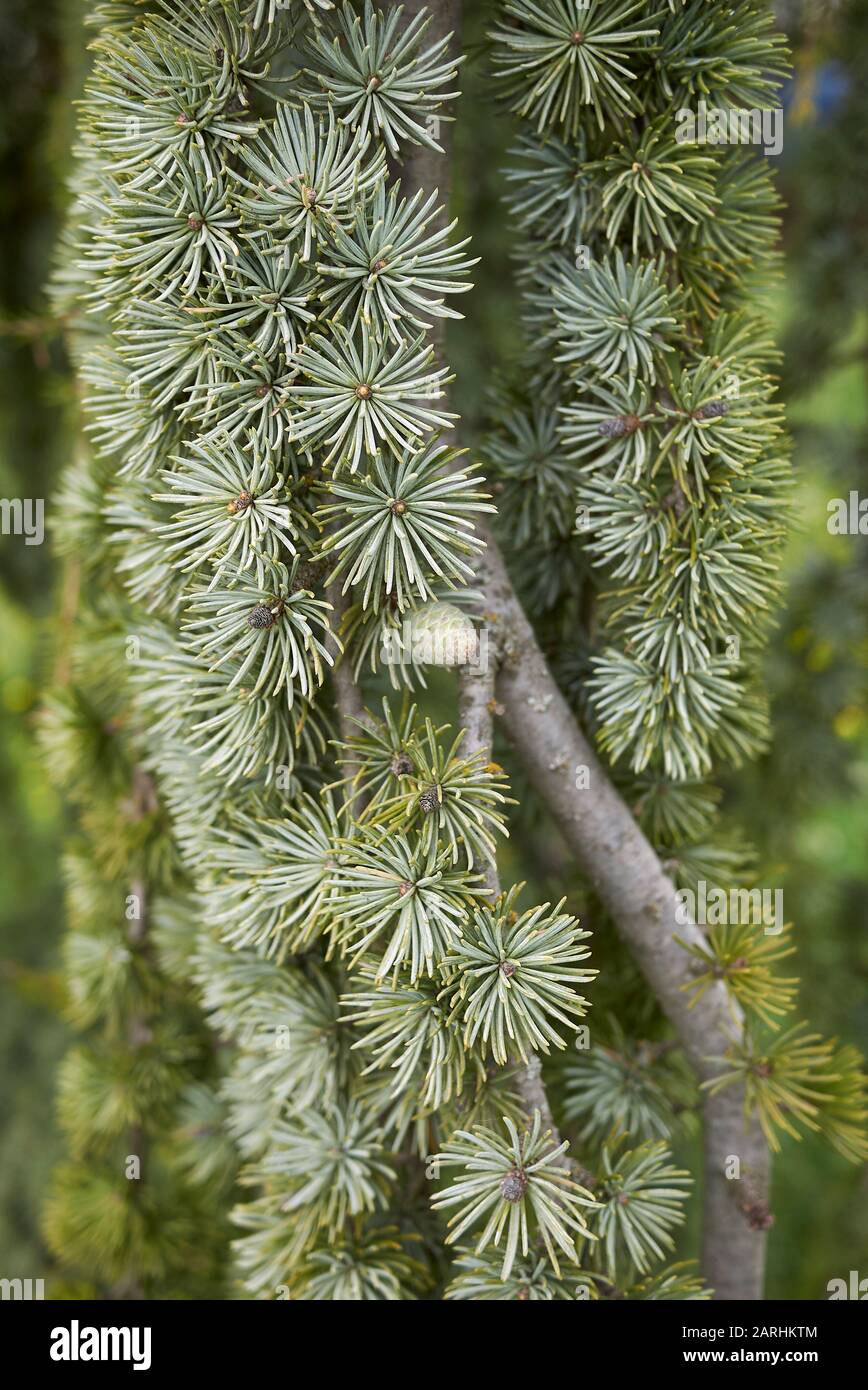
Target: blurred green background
<point>805,806</point>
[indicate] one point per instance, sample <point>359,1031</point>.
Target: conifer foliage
<point>269,500</point>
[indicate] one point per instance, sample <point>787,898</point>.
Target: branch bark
<point>618,860</point>
<point>476,712</point>
<point>347,690</point>
<point>349,699</point>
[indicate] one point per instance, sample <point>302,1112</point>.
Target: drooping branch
<point>476,713</point>
<point>347,690</point>
<point>618,860</point>
<point>476,705</point>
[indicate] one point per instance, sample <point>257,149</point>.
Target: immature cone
<point>618,426</point>
<point>514,1185</point>
<point>429,800</point>
<point>240,503</point>
<point>441,635</point>
<point>260,617</point>
<point>711,411</point>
